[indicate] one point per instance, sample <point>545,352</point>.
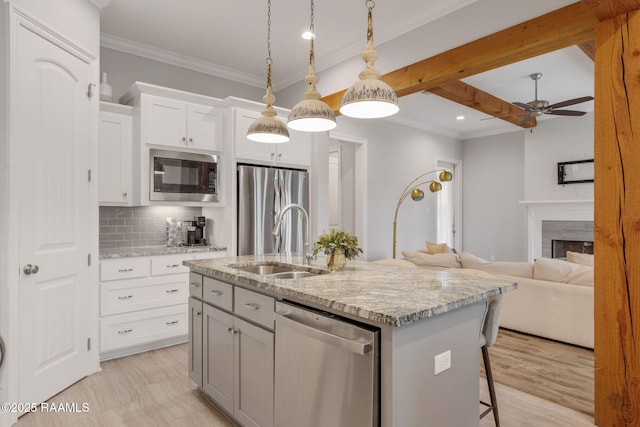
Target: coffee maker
<point>195,232</point>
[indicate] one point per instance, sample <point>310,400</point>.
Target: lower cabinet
<point>143,303</point>
<point>236,356</point>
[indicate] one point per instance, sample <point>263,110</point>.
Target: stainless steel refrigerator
<point>262,193</point>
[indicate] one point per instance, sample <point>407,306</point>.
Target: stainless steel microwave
<point>184,177</point>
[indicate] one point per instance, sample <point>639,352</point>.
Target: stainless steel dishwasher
<point>327,370</point>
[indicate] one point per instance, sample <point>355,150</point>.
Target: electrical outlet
<point>442,362</point>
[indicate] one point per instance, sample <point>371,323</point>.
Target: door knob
<point>30,269</point>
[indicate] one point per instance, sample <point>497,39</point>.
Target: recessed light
<point>460,118</point>
<point>308,35</point>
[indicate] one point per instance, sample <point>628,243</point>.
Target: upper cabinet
<point>296,152</point>
<point>170,118</point>
<point>115,154</point>
<point>174,123</point>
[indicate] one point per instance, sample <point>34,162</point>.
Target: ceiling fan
<point>538,107</point>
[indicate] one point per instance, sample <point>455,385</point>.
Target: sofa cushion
<point>518,269</point>
<point>438,248</point>
<point>556,270</point>
<point>448,260</point>
<point>579,258</point>
<point>396,262</point>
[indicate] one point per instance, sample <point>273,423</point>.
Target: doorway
<point>449,206</point>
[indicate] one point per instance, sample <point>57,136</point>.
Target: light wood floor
<point>153,389</point>
<point>548,369</point>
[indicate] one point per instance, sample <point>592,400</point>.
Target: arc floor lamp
<point>417,194</point>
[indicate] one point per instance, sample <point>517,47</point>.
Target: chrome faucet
<point>308,254</point>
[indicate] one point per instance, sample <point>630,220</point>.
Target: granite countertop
<point>389,295</point>
<point>155,250</point>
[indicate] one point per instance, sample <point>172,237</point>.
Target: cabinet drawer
<point>217,293</point>
<point>195,285</point>
<point>131,295</point>
<point>255,307</point>
<point>171,264</point>
<point>127,268</point>
<point>124,330</point>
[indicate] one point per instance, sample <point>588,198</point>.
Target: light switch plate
<point>442,362</point>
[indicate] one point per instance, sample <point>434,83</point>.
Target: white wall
<point>397,154</point>
<point>494,222</point>
<point>557,140</point>
<point>123,69</point>
<point>502,171</point>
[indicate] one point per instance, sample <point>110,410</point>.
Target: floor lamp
<point>417,194</point>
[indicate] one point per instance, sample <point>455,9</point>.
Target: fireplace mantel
<point>552,210</point>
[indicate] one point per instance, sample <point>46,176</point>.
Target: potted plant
<point>338,246</point>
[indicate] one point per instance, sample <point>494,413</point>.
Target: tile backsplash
<point>125,227</point>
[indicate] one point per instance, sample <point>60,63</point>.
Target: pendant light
<point>268,128</point>
<point>369,97</point>
<point>311,114</point>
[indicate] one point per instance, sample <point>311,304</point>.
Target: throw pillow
<point>556,270</point>
<point>579,258</point>
<point>438,248</point>
<point>447,260</point>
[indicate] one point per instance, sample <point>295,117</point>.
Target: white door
<point>52,140</point>
<point>449,210</point>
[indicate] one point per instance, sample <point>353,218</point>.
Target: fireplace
<point>558,237</point>
<point>559,248</point>
<point>570,220</point>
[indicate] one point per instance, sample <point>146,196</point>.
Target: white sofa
<point>554,298</point>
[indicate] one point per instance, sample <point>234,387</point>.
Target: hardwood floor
<point>555,371</point>
<point>153,389</point>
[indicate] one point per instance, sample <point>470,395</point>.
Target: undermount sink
<point>264,270</point>
<point>293,274</point>
<point>280,271</point>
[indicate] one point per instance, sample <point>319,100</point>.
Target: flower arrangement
<point>334,241</point>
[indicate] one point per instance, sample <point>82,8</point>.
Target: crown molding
<point>100,4</point>
<point>168,57</point>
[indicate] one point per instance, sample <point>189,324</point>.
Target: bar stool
<point>488,335</point>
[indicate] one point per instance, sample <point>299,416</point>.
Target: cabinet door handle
<point>198,313</point>
<point>124,297</point>
<point>125,270</point>
<point>273,155</point>
<point>216,292</point>
<point>190,139</point>
<point>184,139</point>
<point>232,331</point>
<point>279,156</point>
<point>173,322</point>
<point>252,306</point>
<point>125,331</point>
<point>173,265</point>
<point>124,194</point>
<point>196,284</point>
<point>172,291</point>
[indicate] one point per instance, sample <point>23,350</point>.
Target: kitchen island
<point>420,314</point>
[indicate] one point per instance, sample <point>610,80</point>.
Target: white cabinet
<point>179,124</point>
<point>296,152</point>
<point>143,302</point>
<point>237,349</point>
<point>115,151</point>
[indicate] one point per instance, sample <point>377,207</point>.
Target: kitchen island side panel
<point>411,394</point>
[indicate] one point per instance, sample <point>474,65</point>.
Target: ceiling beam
<point>589,48</point>
<point>484,102</point>
<point>607,9</point>
<point>561,28</point>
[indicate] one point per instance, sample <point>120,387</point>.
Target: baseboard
<point>128,351</point>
